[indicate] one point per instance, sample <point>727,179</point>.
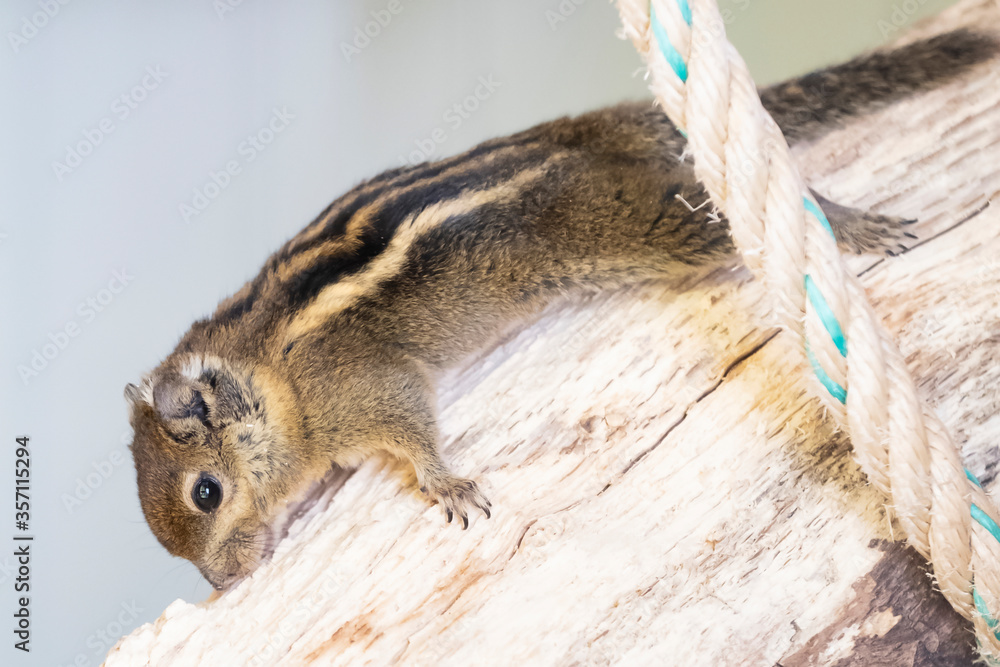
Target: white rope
<point>744,163</point>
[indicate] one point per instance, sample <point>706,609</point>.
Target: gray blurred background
<point>116,115</point>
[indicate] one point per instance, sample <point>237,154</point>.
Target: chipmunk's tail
<point>811,105</point>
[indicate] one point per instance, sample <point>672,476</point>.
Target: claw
<point>909,235</point>
<point>908,222</point>
<point>457,497</point>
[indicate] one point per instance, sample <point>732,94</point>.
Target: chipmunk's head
<point>212,464</point>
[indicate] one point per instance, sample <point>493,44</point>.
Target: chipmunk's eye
<point>207,493</point>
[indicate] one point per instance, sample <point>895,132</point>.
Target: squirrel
<point>331,352</point>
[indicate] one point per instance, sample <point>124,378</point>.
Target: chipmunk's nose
<point>220,581</point>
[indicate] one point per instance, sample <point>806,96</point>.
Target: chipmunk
<point>332,351</point>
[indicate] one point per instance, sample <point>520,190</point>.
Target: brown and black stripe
<point>590,198</point>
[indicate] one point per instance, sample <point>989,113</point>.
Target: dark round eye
<point>207,493</point>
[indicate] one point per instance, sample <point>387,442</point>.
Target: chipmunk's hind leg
<point>860,232</point>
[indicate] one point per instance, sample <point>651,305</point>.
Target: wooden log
<point>666,491</point>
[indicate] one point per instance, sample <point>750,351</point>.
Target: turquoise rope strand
<point>670,54</point>
<point>817,213</point>
<point>826,315</point>
<point>984,520</point>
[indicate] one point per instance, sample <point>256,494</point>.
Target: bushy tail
<point>815,103</point>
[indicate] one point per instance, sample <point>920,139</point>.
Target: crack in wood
<point>725,373</point>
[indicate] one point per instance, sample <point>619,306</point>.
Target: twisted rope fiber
<point>743,161</point>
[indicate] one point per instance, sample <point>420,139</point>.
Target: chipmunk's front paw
<point>458,497</point>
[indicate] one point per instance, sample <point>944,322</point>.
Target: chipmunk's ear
<point>133,395</point>
<point>203,392</point>
<point>176,397</point>
<point>138,396</point>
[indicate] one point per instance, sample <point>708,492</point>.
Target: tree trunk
<point>665,490</point>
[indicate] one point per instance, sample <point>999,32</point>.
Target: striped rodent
<point>331,352</point>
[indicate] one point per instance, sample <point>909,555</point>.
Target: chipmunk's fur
<point>330,353</point>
